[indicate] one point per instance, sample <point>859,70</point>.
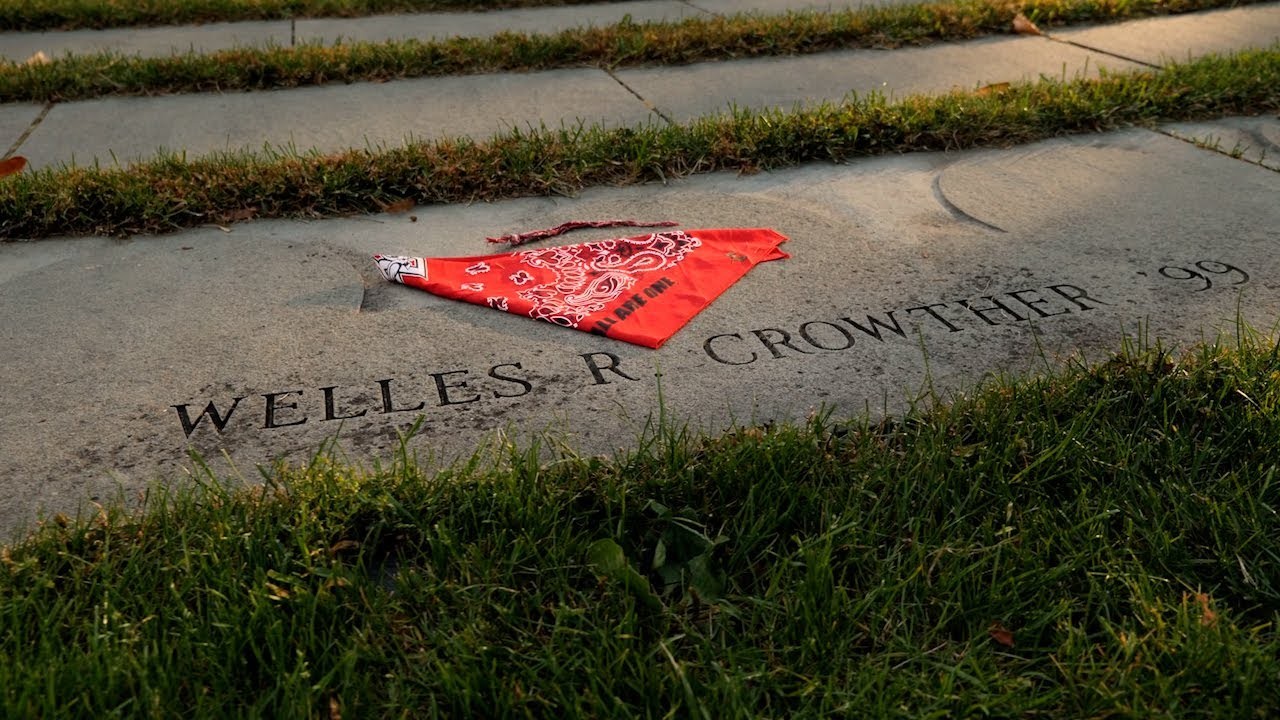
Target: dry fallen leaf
<point>342,545</point>
<point>1208,617</point>
<point>12,166</point>
<point>277,592</point>
<point>38,59</point>
<point>992,89</point>
<point>335,708</point>
<point>399,206</point>
<point>1023,26</point>
<point>1001,634</point>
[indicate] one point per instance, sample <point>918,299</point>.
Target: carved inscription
<point>294,407</point>
<point>836,334</point>
<point>289,408</point>
<point>1208,268</point>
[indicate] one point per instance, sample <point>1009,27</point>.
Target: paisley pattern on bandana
<point>639,290</point>
<point>592,275</point>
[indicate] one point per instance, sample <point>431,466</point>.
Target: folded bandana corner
<point>639,290</point>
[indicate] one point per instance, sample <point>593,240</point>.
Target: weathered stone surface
<point>14,120</point>
<point>210,37</point>
<point>961,264</point>
<point>147,42</point>
<point>1256,139</point>
<point>328,118</point>
<point>481,24</point>
<point>778,7</point>
<point>1181,37</point>
<point>690,91</point>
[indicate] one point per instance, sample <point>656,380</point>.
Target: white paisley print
<point>590,276</point>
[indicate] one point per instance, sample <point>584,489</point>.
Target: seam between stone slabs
<point>39,118</point>
<point>699,9</point>
<point>1217,149</point>
<point>652,108</point>
<point>1101,51</point>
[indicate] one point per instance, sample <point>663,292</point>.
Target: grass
<point>1098,542</point>
<point>77,14</point>
<point>171,193</point>
<point>75,77</point>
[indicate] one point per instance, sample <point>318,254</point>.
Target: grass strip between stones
<point>171,193</point>
<point>78,14</point>
<point>1100,542</point>
<point>75,77</point>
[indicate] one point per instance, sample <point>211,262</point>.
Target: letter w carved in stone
<point>217,418</point>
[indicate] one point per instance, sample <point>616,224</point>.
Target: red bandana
<point>639,290</point>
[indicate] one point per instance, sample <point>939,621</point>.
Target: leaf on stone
<point>12,166</point>
<point>1023,26</point>
<point>399,206</point>
<point>608,559</point>
<point>992,89</point>
<point>1001,634</point>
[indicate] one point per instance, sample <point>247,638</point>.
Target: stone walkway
<point>931,270</point>
<point>284,33</point>
<point>335,117</point>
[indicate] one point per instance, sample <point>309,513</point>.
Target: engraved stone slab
<point>928,270</point>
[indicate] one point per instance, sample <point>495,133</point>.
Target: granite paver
<point>162,41</point>
<point>1256,139</point>
<point>472,24</point>
<point>146,41</point>
<point>15,119</point>
<point>328,118</point>
<point>685,92</point>
<point>778,7</point>
<point>333,117</point>
<point>986,261</point>
<point>115,353</point>
<point>1179,37</point>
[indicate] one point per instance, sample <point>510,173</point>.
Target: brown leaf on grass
<point>335,708</point>
<point>1023,26</point>
<point>992,89</point>
<point>399,206</point>
<point>1001,634</point>
<point>12,166</point>
<point>343,545</point>
<point>1208,617</point>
